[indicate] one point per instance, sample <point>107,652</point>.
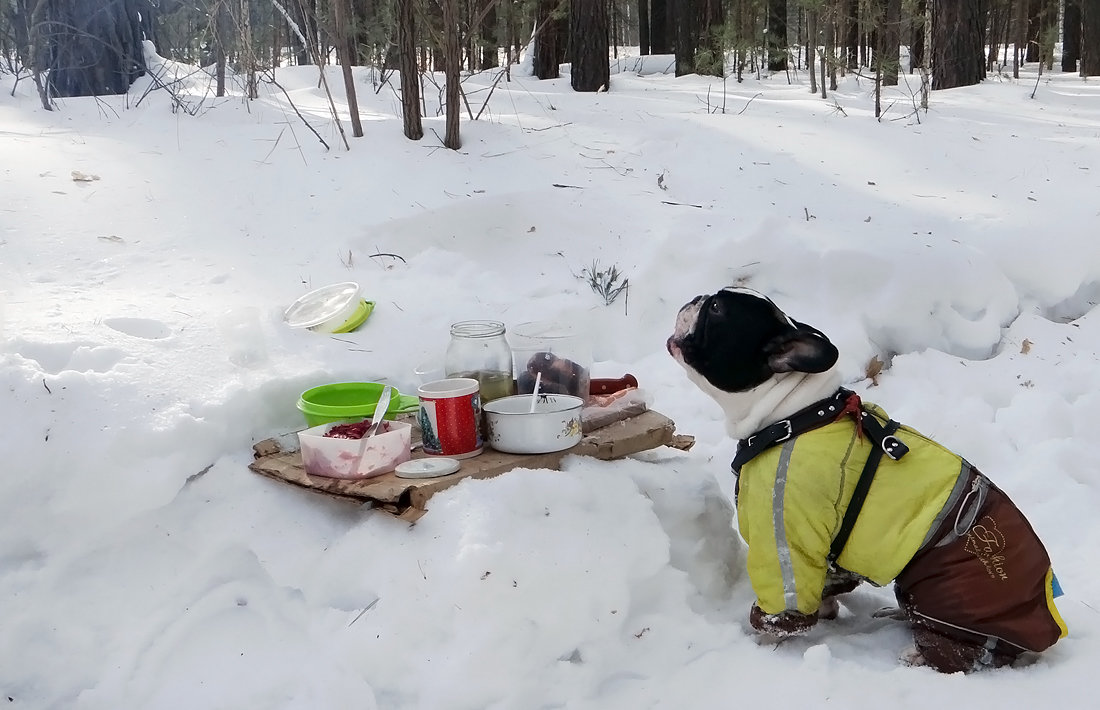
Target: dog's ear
<point>801,349</point>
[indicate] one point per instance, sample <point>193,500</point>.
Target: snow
<point>143,566</point>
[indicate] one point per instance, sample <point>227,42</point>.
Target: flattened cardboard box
<point>407,498</point>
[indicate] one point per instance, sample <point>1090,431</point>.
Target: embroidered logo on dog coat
<point>988,544</point>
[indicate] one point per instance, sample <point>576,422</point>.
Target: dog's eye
<point>715,307</point>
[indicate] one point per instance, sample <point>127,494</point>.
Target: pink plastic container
<point>354,458</point>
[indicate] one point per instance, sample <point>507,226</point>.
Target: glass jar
<point>479,350</point>
<point>558,352</point>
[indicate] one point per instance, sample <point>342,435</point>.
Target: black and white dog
<point>831,491</point>
<point>757,362</point>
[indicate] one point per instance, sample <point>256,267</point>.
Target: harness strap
<point>818,415</point>
<point>863,486</point>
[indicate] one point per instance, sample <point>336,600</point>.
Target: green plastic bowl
<point>342,401</point>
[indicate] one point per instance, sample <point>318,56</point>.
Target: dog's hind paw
<point>912,657</point>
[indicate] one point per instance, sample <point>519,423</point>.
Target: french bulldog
<point>831,492</point>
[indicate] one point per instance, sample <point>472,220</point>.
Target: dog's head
<point>734,342</point>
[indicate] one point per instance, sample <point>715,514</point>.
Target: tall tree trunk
<point>850,33</point>
<point>588,45</point>
<point>997,17</point>
<point>890,34</point>
<point>222,36</point>
<point>777,35</point>
<point>89,49</point>
<point>958,56</point>
<point>452,69</point>
<point>685,36</point>
<point>345,48</point>
<point>548,42</point>
<point>248,53</point>
<point>643,27</point>
<point>712,22</point>
<point>489,32</point>
<point>1071,35</point>
<point>811,47</point>
<point>1090,37</point>
<point>297,10</point>
<point>410,84</point>
<point>917,50</point>
<point>1020,42</point>
<point>828,63</point>
<point>660,40</point>
<point>1034,29</point>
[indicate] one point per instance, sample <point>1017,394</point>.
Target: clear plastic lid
<point>316,307</point>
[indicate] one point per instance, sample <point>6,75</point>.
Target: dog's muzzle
<point>685,324</point>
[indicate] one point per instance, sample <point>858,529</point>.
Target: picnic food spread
<point>500,405</point>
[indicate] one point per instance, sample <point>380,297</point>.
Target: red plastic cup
<point>450,417</point>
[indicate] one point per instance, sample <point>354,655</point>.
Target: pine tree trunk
<point>89,49</point>
<point>890,36</point>
<point>490,39</point>
<point>643,27</point>
<point>660,41</point>
<point>297,10</point>
<point>851,33</point>
<point>410,86</point>
<point>221,43</point>
<point>685,35</point>
<point>1071,35</point>
<point>248,54</point>
<point>1034,29</point>
<point>548,42</point>
<point>958,56</point>
<point>1090,37</point>
<point>777,35</point>
<point>811,47</point>
<point>711,24</point>
<point>917,50</point>
<point>452,68</point>
<point>588,45</point>
<point>345,48</point>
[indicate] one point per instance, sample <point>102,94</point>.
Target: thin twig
<point>745,108</point>
<point>367,608</point>
<point>271,78</point>
<point>392,256</point>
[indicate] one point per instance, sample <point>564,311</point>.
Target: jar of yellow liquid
<point>479,350</point>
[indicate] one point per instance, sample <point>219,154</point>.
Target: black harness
<point>819,414</point>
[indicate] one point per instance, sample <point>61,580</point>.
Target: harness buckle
<point>893,447</point>
<point>782,437</point>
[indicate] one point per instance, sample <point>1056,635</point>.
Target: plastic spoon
<point>535,393</point>
<point>380,411</point>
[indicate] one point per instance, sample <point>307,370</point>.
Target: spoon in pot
<point>380,411</point>
<point>535,392</point>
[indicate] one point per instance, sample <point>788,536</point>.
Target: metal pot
<point>554,425</point>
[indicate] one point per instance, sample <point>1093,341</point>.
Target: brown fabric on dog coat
<point>977,595</point>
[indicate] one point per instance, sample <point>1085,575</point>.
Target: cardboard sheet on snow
<point>407,498</point>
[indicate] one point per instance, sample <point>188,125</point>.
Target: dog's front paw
<point>829,609</point>
<point>782,625</point>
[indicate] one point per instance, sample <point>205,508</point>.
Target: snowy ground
<point>143,566</point>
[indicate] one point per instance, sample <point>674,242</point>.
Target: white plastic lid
<point>316,307</point>
<point>427,468</point>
